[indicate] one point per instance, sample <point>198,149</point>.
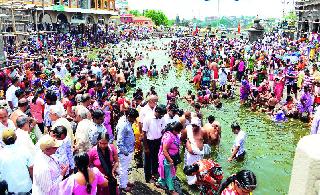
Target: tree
<point>158,17</point>
<point>291,16</point>
<point>290,19</point>
<point>171,23</point>
<point>135,12</point>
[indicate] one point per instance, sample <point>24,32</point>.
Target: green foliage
<point>158,17</point>
<point>93,55</point>
<point>231,22</point>
<point>291,17</point>
<point>135,12</point>
<point>249,25</point>
<point>171,22</point>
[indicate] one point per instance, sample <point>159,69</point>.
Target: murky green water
<point>270,147</point>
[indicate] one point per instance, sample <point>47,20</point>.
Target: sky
<point>200,8</point>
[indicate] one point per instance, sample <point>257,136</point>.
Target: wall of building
<point>305,176</point>
<point>52,17</point>
<point>85,4</point>
<point>308,16</point>
<point>126,19</point>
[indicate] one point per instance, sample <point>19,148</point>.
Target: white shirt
<point>14,163</point>
<point>62,73</point>
<point>64,122</point>
<point>223,76</point>
<point>46,119</point>
<point>153,127</point>
<point>315,127</point>
<point>11,97</point>
<point>94,132</point>
<point>168,119</point>
<point>82,135</point>
<point>46,175</point>
<point>239,141</point>
<point>2,128</point>
<point>95,70</point>
<point>24,140</point>
<point>145,111</point>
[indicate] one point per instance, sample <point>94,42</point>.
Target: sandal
<point>130,184</point>
<point>127,189</point>
<point>158,185</point>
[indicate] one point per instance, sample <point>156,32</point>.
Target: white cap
<point>47,141</point>
<point>195,121</point>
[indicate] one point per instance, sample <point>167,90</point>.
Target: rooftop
<point>141,18</point>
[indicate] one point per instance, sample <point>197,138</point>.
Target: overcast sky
<point>201,8</point>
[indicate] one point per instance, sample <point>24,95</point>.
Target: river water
<point>270,147</point>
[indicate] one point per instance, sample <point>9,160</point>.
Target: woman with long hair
<point>169,156</point>
<point>242,183</point>
<point>85,181</point>
<point>104,156</point>
<point>68,101</point>
<point>37,107</point>
<point>279,85</point>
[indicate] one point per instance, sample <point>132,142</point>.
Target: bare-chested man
<point>212,133</point>
<point>185,119</point>
<point>272,102</point>
<point>193,136</point>
<point>121,78</point>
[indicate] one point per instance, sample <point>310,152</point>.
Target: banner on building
<point>59,8</point>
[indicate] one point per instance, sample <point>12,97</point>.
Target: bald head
<point>22,121</point>
<point>153,100</point>
<point>23,102</point>
<point>187,114</point>
<point>4,116</point>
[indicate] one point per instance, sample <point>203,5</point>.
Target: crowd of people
<point>68,126</point>
<point>276,75</point>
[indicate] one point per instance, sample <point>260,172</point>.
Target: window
<point>73,3</point>
<point>83,4</point>
<point>93,4</point>
<point>66,3</point>
<point>111,2</point>
<point>56,2</point>
<point>48,2</point>
<point>315,26</point>
<point>305,26</point>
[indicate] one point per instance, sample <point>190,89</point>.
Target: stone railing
<point>305,177</point>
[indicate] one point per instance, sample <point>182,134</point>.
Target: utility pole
<point>42,13</point>
<point>36,18</point>
<point>13,19</point>
<point>218,14</point>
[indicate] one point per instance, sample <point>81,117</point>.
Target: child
<point>216,100</point>
<point>244,91</point>
<point>255,97</point>
<point>272,102</point>
<point>289,108</point>
<point>316,94</point>
<point>200,97</point>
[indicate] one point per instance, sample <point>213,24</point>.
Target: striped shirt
<point>125,139</point>
<point>308,81</point>
<point>291,73</point>
<point>64,154</point>
<point>46,175</point>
